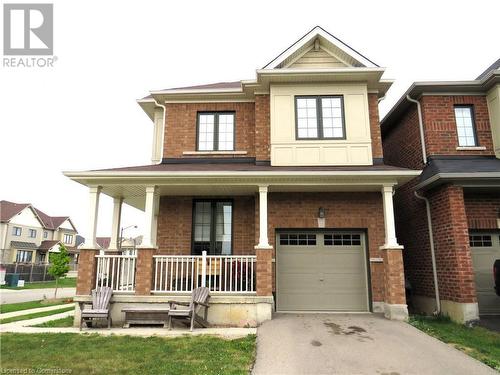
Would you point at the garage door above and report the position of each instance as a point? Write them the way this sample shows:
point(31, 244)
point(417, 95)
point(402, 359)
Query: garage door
point(485, 248)
point(321, 271)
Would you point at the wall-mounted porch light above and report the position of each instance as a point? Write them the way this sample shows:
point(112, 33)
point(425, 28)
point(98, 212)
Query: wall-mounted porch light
point(321, 213)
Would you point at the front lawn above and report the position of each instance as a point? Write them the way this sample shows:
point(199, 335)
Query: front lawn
point(63, 283)
point(11, 307)
point(36, 315)
point(63, 322)
point(478, 342)
point(94, 354)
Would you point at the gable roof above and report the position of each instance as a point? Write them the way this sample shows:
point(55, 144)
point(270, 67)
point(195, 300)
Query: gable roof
point(48, 244)
point(103, 242)
point(9, 209)
point(492, 67)
point(333, 44)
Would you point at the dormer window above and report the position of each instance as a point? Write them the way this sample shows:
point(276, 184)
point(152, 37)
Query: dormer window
point(466, 129)
point(215, 131)
point(319, 117)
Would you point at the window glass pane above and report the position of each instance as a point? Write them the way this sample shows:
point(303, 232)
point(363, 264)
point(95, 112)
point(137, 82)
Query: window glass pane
point(465, 126)
point(202, 222)
point(226, 132)
point(480, 241)
point(331, 109)
point(206, 132)
point(223, 223)
point(307, 122)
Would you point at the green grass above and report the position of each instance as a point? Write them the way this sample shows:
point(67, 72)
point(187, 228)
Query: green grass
point(63, 283)
point(11, 307)
point(94, 354)
point(478, 342)
point(63, 322)
point(36, 315)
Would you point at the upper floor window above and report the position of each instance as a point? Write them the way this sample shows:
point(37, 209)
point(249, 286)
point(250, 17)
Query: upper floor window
point(45, 234)
point(319, 117)
point(16, 231)
point(32, 233)
point(466, 130)
point(215, 131)
point(68, 238)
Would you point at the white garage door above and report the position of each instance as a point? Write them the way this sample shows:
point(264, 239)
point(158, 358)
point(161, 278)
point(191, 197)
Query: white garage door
point(485, 248)
point(321, 271)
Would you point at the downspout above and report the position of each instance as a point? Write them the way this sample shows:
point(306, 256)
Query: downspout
point(433, 254)
point(162, 127)
point(421, 127)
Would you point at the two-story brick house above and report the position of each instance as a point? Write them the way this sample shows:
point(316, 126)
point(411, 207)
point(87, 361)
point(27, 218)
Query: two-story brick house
point(452, 132)
point(28, 235)
point(280, 180)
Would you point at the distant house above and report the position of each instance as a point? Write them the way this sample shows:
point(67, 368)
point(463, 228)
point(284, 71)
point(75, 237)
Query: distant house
point(28, 235)
point(127, 247)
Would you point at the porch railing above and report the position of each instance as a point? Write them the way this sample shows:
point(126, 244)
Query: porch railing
point(220, 273)
point(117, 272)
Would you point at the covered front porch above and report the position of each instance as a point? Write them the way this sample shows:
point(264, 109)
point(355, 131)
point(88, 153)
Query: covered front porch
point(219, 230)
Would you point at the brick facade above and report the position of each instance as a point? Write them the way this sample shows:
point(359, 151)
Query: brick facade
point(87, 268)
point(144, 271)
point(375, 126)
point(394, 280)
point(262, 128)
point(483, 210)
point(180, 129)
point(441, 129)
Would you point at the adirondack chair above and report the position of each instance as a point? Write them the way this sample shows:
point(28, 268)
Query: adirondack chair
point(100, 306)
point(189, 310)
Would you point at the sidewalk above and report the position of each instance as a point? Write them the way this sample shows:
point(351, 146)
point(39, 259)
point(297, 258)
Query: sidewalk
point(15, 296)
point(33, 311)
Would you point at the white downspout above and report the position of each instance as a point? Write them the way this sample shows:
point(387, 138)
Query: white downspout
point(162, 127)
point(421, 127)
point(433, 255)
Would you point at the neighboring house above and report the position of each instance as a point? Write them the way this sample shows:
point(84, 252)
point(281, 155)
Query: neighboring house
point(128, 245)
point(28, 235)
point(460, 122)
point(279, 179)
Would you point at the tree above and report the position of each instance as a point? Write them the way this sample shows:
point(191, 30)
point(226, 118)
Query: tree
point(59, 264)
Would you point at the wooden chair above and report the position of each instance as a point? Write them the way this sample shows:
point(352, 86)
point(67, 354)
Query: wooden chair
point(100, 306)
point(189, 310)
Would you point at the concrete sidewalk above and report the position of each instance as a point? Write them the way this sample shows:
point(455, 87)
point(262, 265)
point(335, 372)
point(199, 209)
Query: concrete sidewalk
point(25, 295)
point(36, 310)
point(354, 344)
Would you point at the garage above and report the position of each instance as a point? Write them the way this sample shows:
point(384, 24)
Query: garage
point(485, 249)
point(321, 271)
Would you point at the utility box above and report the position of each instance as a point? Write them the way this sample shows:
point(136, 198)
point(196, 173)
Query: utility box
point(12, 279)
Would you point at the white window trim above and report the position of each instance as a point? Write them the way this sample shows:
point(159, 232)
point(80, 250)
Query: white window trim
point(214, 153)
point(471, 148)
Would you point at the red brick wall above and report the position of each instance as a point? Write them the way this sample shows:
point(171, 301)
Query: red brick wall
point(343, 210)
point(180, 129)
point(375, 126)
point(262, 128)
point(404, 137)
point(441, 129)
point(175, 225)
point(482, 210)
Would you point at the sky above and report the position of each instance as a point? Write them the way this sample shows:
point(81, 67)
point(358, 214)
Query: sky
point(82, 113)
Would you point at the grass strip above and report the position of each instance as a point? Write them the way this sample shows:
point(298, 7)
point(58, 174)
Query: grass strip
point(12, 307)
point(36, 315)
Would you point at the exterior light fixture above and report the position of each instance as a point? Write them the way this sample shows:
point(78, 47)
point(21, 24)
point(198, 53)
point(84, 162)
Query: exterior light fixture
point(321, 213)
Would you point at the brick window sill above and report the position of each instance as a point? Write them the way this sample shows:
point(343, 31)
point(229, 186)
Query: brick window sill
point(214, 153)
point(474, 148)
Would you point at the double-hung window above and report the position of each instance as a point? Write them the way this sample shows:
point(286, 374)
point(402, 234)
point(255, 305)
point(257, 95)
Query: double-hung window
point(16, 231)
point(212, 227)
point(68, 239)
point(32, 233)
point(215, 131)
point(319, 117)
point(466, 130)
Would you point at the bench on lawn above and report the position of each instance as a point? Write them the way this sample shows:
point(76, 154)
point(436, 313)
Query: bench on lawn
point(146, 315)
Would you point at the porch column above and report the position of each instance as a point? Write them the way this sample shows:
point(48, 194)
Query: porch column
point(263, 240)
point(90, 238)
point(148, 240)
point(115, 224)
point(390, 228)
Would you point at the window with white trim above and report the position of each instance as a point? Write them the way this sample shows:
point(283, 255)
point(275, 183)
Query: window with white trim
point(32, 233)
point(319, 117)
point(466, 130)
point(45, 234)
point(215, 131)
point(68, 239)
point(298, 239)
point(480, 241)
point(24, 256)
point(16, 231)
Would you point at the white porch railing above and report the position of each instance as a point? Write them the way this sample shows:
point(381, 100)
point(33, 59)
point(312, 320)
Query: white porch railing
point(220, 273)
point(117, 272)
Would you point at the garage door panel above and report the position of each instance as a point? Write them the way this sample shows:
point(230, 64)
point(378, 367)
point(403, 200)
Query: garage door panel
point(485, 249)
point(321, 276)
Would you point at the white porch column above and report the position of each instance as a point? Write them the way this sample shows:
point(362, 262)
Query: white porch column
point(148, 240)
point(90, 240)
point(391, 241)
point(263, 240)
point(115, 224)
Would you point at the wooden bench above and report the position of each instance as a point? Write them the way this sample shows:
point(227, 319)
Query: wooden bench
point(146, 315)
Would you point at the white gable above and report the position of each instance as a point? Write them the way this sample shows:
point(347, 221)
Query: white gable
point(27, 218)
point(317, 58)
point(55, 249)
point(66, 225)
point(329, 44)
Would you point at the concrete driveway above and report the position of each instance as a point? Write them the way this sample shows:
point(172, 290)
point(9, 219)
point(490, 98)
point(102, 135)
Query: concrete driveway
point(15, 296)
point(354, 344)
